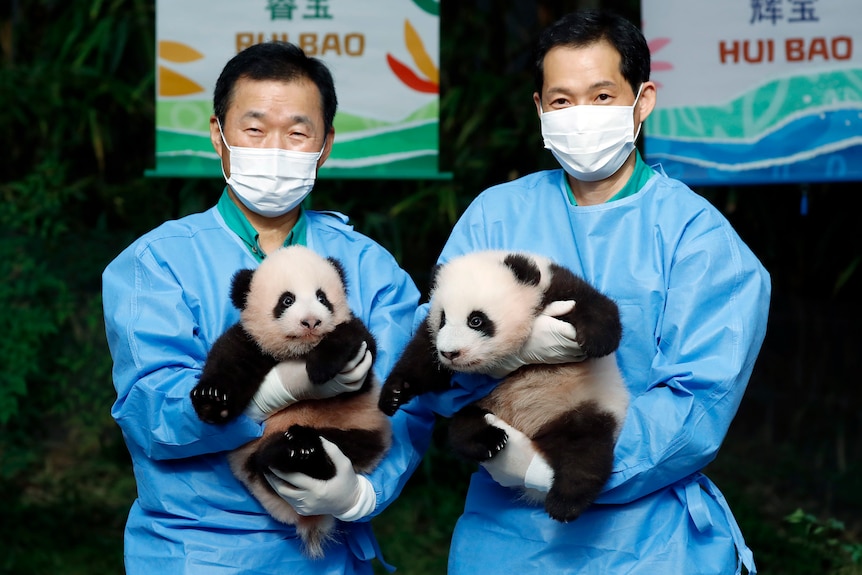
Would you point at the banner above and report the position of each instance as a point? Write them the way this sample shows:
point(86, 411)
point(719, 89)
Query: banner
point(383, 55)
point(755, 91)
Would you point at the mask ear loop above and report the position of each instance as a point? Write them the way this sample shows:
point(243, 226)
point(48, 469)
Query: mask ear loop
point(640, 124)
point(221, 162)
point(221, 133)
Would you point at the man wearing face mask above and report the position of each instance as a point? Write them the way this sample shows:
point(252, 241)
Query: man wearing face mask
point(166, 300)
point(693, 300)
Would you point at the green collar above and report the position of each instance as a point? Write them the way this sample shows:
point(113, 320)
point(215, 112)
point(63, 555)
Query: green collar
point(640, 176)
point(239, 224)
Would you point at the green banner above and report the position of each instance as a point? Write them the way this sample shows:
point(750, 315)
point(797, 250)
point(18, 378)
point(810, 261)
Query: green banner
point(383, 55)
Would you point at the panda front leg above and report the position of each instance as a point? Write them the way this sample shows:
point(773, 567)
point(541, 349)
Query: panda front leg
point(234, 369)
point(579, 447)
point(417, 371)
point(474, 438)
point(337, 348)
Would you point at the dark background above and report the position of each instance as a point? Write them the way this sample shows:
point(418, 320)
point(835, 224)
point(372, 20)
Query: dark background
point(77, 122)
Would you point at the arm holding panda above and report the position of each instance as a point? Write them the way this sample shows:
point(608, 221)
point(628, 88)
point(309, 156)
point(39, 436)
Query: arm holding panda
point(289, 382)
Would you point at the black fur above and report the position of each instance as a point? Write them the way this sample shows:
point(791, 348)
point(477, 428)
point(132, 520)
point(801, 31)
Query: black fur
point(596, 317)
point(524, 269)
point(239, 287)
point(579, 446)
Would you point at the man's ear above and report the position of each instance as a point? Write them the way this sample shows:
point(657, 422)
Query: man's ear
point(327, 147)
point(537, 99)
point(215, 136)
point(646, 102)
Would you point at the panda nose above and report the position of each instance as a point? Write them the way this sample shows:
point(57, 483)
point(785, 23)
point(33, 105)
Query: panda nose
point(310, 323)
point(450, 355)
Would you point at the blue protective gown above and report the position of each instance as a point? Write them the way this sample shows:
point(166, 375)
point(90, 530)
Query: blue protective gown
point(694, 303)
point(166, 300)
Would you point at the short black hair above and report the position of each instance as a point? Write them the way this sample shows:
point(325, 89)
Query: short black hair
point(275, 60)
point(587, 27)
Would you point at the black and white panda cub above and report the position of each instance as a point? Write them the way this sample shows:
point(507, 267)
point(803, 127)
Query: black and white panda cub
point(293, 306)
point(482, 308)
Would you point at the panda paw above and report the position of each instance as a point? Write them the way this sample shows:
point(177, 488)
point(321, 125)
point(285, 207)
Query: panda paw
point(485, 444)
point(565, 507)
point(212, 404)
point(299, 450)
point(394, 393)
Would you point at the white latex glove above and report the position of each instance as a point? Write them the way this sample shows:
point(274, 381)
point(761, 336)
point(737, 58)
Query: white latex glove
point(552, 340)
point(519, 464)
point(347, 496)
point(288, 382)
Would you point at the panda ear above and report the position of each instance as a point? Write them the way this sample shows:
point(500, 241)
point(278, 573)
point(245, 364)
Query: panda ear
point(240, 285)
point(340, 269)
point(435, 272)
point(524, 269)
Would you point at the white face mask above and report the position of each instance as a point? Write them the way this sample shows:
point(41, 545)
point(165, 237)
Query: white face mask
point(591, 142)
point(270, 181)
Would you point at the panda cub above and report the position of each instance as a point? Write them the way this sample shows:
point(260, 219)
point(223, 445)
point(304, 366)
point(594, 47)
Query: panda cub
point(294, 306)
point(482, 308)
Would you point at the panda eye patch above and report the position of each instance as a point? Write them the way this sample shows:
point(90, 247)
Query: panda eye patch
point(480, 322)
point(442, 318)
point(286, 300)
point(321, 297)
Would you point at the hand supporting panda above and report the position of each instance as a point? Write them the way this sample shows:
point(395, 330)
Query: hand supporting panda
point(346, 496)
point(551, 341)
point(288, 382)
point(518, 464)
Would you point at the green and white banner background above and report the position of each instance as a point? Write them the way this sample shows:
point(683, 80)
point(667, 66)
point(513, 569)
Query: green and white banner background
point(383, 54)
point(756, 91)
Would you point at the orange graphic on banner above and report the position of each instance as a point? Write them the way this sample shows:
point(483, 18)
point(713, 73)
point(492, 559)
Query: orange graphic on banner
point(430, 84)
point(173, 83)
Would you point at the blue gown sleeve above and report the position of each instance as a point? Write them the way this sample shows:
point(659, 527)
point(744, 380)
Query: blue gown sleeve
point(159, 346)
point(706, 342)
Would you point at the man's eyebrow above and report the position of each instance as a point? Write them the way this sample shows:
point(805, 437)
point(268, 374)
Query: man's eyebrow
point(258, 115)
point(295, 119)
point(596, 86)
